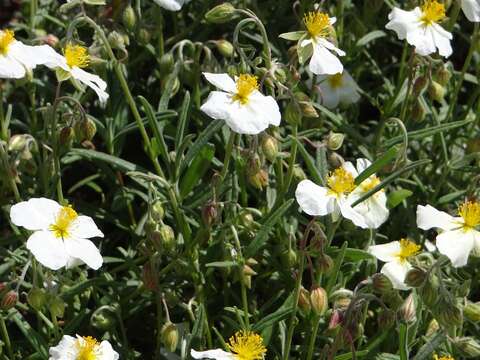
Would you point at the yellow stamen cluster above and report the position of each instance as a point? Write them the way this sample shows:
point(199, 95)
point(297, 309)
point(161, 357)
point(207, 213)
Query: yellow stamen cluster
point(246, 84)
point(76, 55)
point(407, 248)
point(336, 80)
point(63, 221)
point(6, 38)
point(340, 181)
point(370, 183)
point(317, 24)
point(433, 12)
point(445, 357)
point(247, 345)
point(470, 212)
point(87, 349)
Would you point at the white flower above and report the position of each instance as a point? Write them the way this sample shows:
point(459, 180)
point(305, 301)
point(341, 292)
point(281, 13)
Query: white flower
point(420, 28)
point(471, 9)
point(459, 235)
point(374, 209)
point(240, 104)
point(60, 236)
point(172, 5)
point(17, 58)
point(71, 63)
point(395, 255)
point(70, 348)
point(338, 89)
point(244, 345)
point(319, 28)
point(319, 201)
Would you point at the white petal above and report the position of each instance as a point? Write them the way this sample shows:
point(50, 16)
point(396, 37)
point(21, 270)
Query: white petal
point(456, 245)
point(323, 61)
point(35, 214)
point(330, 97)
point(402, 21)
point(423, 41)
point(314, 199)
point(217, 354)
point(471, 9)
point(217, 105)
point(428, 217)
point(396, 272)
point(362, 164)
point(84, 250)
point(222, 81)
point(347, 165)
point(73, 262)
point(350, 213)
point(348, 93)
point(327, 44)
point(172, 5)
point(83, 227)
point(31, 56)
point(386, 252)
point(268, 107)
point(10, 68)
point(377, 211)
point(107, 352)
point(92, 81)
point(65, 350)
point(247, 118)
point(442, 40)
point(47, 249)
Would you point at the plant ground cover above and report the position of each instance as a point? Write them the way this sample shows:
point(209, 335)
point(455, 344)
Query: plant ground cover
point(241, 180)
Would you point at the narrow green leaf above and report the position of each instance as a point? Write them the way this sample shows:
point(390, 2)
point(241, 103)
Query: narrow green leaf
point(221, 264)
point(377, 165)
point(182, 121)
point(396, 197)
point(336, 267)
point(430, 347)
point(293, 35)
point(309, 162)
point(198, 168)
point(371, 36)
point(93, 155)
point(272, 319)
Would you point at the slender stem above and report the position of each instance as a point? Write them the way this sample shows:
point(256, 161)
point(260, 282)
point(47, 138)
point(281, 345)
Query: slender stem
point(55, 142)
point(241, 275)
point(6, 338)
point(8, 170)
point(293, 156)
point(228, 154)
point(313, 337)
point(403, 334)
point(409, 86)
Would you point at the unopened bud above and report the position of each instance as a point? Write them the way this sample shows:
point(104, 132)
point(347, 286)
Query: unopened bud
point(9, 300)
point(246, 219)
point(56, 306)
point(319, 300)
point(37, 298)
point(472, 311)
point(443, 75)
point(259, 180)
point(381, 284)
point(210, 213)
point(143, 36)
point(436, 91)
point(304, 301)
point(157, 211)
point(116, 40)
point(335, 141)
point(324, 264)
point(419, 85)
point(415, 277)
point(169, 335)
point(308, 110)
point(129, 18)
point(386, 319)
point(408, 311)
point(168, 238)
point(432, 328)
point(66, 136)
point(221, 13)
point(335, 320)
point(468, 347)
point(293, 113)
point(298, 173)
point(85, 129)
point(448, 314)
point(418, 111)
point(270, 147)
point(335, 160)
point(225, 48)
point(166, 64)
point(289, 258)
point(429, 291)
point(104, 318)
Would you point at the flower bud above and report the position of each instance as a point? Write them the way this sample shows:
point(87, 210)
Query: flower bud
point(148, 277)
point(157, 212)
point(210, 213)
point(298, 173)
point(85, 129)
point(36, 298)
point(335, 320)
point(259, 180)
point(143, 36)
point(167, 236)
point(116, 40)
point(419, 85)
point(293, 113)
point(468, 347)
point(56, 306)
point(308, 110)
point(418, 111)
point(104, 318)
point(335, 141)
point(225, 48)
point(408, 311)
point(472, 311)
point(304, 301)
point(246, 219)
point(169, 336)
point(381, 284)
point(166, 64)
point(432, 328)
point(324, 264)
point(386, 319)
point(448, 314)
point(129, 18)
point(9, 300)
point(335, 160)
point(319, 300)
point(269, 147)
point(443, 75)
point(289, 258)
point(415, 277)
point(220, 14)
point(66, 136)
point(429, 291)
point(436, 91)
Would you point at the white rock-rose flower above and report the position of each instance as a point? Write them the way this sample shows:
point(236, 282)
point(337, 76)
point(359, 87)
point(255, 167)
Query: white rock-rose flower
point(421, 29)
point(337, 89)
point(318, 200)
point(17, 58)
point(471, 9)
point(60, 236)
point(324, 58)
point(172, 5)
point(395, 255)
point(244, 345)
point(459, 235)
point(71, 64)
point(240, 104)
point(82, 348)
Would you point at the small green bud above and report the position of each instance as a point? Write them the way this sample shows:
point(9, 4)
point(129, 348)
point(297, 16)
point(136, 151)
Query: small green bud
point(289, 258)
point(210, 213)
point(335, 141)
point(166, 64)
point(103, 318)
point(418, 111)
point(472, 311)
point(157, 212)
point(37, 298)
point(308, 109)
point(319, 300)
point(169, 335)
point(129, 18)
point(168, 238)
point(116, 40)
point(436, 91)
point(298, 173)
point(415, 277)
point(246, 219)
point(225, 48)
point(56, 306)
point(85, 129)
point(304, 301)
point(381, 284)
point(143, 36)
point(468, 347)
point(221, 13)
point(293, 113)
point(408, 311)
point(429, 291)
point(269, 147)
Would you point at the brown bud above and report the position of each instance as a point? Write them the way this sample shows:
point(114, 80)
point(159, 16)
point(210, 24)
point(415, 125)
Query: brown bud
point(67, 134)
point(270, 147)
point(304, 300)
point(408, 311)
point(85, 129)
point(419, 85)
point(381, 284)
point(9, 300)
point(415, 277)
point(210, 213)
point(319, 300)
point(443, 75)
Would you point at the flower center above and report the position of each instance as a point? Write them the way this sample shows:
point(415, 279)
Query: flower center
point(470, 212)
point(247, 345)
point(407, 248)
point(340, 181)
point(445, 357)
point(76, 55)
point(433, 12)
point(370, 183)
point(317, 24)
point(6, 39)
point(246, 84)
point(63, 221)
point(87, 348)
point(336, 81)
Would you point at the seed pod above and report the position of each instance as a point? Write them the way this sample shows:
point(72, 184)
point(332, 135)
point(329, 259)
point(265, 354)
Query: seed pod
point(259, 180)
point(116, 40)
point(415, 277)
point(143, 36)
point(381, 284)
point(408, 311)
point(225, 48)
point(472, 311)
point(9, 300)
point(319, 300)
point(169, 335)
point(418, 111)
point(429, 291)
point(220, 14)
point(298, 173)
point(335, 141)
point(129, 18)
point(443, 75)
point(166, 64)
point(432, 328)
point(419, 85)
point(66, 136)
point(36, 298)
point(289, 258)
point(269, 147)
point(293, 113)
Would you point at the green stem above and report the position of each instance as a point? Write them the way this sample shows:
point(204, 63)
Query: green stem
point(8, 170)
point(56, 145)
point(241, 275)
point(6, 338)
point(313, 337)
point(228, 154)
point(403, 334)
point(291, 161)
